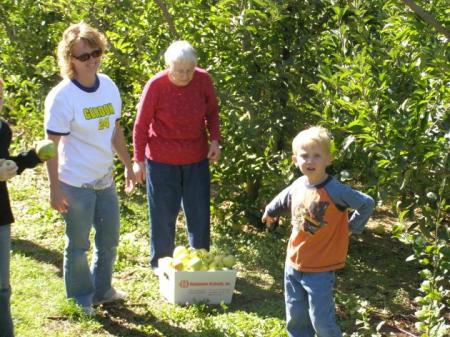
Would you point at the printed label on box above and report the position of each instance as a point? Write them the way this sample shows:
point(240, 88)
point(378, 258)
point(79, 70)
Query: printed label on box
point(183, 287)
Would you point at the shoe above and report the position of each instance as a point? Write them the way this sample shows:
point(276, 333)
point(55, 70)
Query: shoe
point(88, 311)
point(112, 295)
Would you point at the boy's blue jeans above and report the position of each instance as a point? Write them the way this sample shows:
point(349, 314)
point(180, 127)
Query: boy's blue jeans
point(310, 304)
point(168, 188)
point(89, 207)
point(6, 324)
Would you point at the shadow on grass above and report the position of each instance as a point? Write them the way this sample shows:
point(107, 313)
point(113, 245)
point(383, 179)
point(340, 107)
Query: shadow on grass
point(377, 272)
point(377, 269)
point(39, 253)
point(119, 320)
point(252, 299)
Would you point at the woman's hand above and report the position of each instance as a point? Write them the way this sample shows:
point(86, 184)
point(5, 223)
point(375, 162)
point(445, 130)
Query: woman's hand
point(58, 199)
point(130, 180)
point(214, 151)
point(139, 171)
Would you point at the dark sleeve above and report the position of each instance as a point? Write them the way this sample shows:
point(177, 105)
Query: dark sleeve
point(24, 160)
point(280, 204)
point(361, 204)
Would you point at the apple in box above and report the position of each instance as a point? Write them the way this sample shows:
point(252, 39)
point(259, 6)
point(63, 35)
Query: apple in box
point(45, 149)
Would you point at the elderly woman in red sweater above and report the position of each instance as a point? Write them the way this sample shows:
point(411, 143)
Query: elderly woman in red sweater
point(176, 135)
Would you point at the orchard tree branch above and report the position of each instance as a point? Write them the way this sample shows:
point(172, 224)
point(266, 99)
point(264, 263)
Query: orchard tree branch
point(427, 17)
point(168, 18)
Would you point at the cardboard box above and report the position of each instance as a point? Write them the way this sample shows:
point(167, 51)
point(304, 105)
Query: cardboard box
point(188, 287)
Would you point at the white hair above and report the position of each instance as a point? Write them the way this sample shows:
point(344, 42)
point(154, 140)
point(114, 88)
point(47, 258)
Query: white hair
point(180, 51)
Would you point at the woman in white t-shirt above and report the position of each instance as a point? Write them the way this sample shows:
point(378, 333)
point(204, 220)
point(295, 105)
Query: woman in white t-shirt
point(81, 116)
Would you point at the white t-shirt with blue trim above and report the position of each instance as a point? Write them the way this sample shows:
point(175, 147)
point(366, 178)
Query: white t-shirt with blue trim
point(85, 119)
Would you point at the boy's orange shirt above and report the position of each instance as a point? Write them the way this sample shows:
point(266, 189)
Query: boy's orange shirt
point(320, 234)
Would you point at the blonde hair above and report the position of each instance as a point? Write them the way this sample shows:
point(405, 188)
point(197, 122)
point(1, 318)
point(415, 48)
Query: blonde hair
point(314, 135)
point(180, 51)
point(75, 33)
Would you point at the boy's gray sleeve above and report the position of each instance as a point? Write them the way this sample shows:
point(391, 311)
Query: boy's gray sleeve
point(361, 203)
point(280, 204)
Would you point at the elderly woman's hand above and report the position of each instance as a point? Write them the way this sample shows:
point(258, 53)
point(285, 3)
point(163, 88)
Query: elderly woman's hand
point(214, 151)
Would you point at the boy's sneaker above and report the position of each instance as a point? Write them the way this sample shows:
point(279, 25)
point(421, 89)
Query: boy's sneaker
point(112, 295)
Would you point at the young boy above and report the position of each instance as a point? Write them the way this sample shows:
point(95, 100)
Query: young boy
point(319, 240)
point(22, 161)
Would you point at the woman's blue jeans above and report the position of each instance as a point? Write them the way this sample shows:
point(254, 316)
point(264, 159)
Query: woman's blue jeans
point(310, 304)
point(100, 209)
point(170, 187)
point(6, 324)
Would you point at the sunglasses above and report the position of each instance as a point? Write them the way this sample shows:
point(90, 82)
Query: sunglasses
point(86, 56)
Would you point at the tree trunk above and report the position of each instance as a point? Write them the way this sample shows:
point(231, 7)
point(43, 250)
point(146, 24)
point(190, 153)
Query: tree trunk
point(427, 17)
point(168, 18)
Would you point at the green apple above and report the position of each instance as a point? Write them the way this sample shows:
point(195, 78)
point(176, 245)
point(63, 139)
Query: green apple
point(219, 265)
point(195, 264)
point(218, 259)
point(203, 251)
point(194, 253)
point(212, 266)
point(229, 261)
point(179, 250)
point(178, 264)
point(45, 149)
point(379, 230)
point(208, 258)
point(9, 164)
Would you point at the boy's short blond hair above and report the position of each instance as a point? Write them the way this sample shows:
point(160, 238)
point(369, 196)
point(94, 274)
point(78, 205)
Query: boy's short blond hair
point(77, 32)
point(313, 135)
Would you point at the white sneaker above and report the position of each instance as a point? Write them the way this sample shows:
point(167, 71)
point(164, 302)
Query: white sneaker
point(112, 295)
point(88, 311)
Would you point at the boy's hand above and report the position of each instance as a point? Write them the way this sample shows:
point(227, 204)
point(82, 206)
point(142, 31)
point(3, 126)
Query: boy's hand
point(8, 169)
point(269, 221)
point(130, 180)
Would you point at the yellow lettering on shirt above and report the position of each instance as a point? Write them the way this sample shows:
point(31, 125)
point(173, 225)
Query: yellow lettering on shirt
point(103, 123)
point(98, 111)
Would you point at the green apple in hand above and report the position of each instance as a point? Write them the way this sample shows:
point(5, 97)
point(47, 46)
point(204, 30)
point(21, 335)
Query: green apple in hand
point(45, 149)
point(8, 169)
point(9, 164)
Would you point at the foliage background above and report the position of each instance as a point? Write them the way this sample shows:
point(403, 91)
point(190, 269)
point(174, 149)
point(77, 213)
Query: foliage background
point(372, 72)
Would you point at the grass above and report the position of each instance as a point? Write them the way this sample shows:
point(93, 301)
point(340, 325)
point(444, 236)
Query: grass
point(376, 286)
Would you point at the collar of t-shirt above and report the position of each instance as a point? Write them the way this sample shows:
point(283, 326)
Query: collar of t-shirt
point(88, 89)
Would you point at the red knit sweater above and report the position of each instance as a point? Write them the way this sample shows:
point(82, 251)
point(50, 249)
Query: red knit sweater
point(172, 121)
